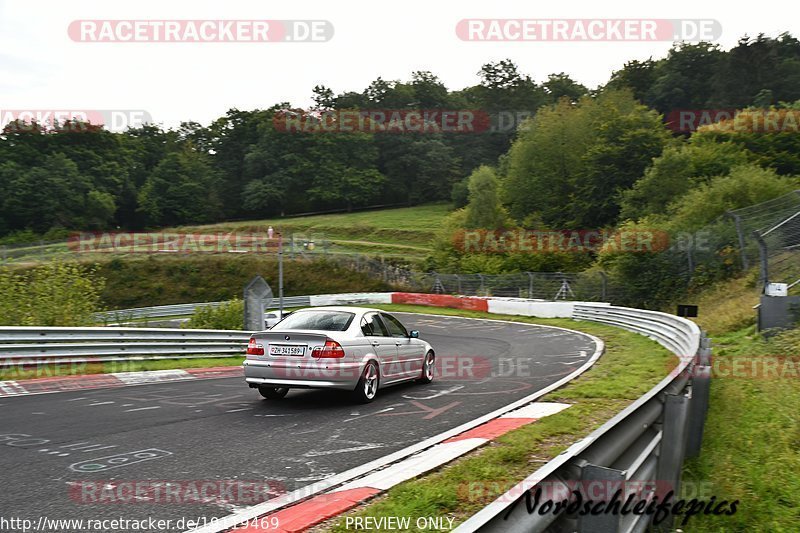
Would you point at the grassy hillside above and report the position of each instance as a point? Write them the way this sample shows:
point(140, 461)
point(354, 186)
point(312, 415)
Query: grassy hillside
point(160, 280)
point(402, 231)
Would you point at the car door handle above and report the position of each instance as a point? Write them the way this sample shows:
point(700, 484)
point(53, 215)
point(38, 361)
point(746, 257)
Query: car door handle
point(397, 344)
point(376, 343)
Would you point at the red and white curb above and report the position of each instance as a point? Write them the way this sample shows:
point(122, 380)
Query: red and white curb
point(114, 380)
point(308, 513)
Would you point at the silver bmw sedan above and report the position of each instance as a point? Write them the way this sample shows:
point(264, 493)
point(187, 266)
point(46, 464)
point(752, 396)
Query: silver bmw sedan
point(347, 348)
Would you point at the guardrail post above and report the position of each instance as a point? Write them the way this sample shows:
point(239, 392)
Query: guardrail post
point(701, 387)
point(704, 355)
point(606, 479)
point(671, 450)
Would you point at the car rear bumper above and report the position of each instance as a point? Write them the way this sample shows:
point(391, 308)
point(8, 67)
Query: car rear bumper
point(302, 374)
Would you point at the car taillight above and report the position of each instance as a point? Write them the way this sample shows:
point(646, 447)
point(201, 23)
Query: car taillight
point(331, 350)
point(254, 348)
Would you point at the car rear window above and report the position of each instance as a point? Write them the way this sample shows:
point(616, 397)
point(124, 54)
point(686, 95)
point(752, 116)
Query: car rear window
point(317, 320)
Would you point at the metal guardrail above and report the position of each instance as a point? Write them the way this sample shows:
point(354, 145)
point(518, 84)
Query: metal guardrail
point(640, 451)
point(181, 310)
point(36, 345)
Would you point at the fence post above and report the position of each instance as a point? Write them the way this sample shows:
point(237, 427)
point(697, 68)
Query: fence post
point(458, 283)
point(764, 259)
point(530, 284)
point(483, 285)
point(737, 221)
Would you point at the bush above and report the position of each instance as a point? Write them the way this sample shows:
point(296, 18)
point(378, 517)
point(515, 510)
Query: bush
point(54, 294)
point(229, 315)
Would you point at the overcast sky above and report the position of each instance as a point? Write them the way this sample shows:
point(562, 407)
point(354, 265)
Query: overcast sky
point(41, 68)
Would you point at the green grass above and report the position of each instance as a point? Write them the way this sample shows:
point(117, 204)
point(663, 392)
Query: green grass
point(631, 365)
point(751, 439)
point(405, 230)
point(401, 233)
point(61, 370)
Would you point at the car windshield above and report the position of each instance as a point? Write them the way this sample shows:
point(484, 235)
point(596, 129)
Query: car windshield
point(317, 320)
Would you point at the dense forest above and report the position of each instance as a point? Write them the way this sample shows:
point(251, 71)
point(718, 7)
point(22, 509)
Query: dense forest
point(587, 158)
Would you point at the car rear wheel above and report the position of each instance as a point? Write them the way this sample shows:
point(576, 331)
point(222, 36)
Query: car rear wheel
point(273, 393)
point(367, 387)
point(427, 368)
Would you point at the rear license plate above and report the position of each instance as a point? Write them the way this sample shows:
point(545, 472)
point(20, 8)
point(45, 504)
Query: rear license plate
point(282, 349)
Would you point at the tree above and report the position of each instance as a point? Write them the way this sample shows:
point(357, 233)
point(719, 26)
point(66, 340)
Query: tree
point(45, 196)
point(571, 164)
point(746, 185)
point(638, 76)
point(678, 169)
point(685, 79)
point(183, 188)
point(562, 86)
point(484, 210)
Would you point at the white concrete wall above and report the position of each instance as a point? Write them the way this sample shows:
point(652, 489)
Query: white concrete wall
point(535, 308)
point(356, 298)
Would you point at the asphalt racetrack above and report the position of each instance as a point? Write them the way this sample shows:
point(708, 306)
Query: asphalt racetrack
point(146, 451)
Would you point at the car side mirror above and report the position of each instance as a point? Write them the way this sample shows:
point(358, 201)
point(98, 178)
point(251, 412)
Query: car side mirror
point(414, 334)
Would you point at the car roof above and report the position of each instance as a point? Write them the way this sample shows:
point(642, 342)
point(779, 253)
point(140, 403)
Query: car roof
point(347, 308)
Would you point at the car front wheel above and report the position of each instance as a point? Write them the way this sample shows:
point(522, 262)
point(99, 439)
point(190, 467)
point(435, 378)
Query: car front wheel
point(427, 368)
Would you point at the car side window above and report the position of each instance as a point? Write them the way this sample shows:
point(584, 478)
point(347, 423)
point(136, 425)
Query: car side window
point(372, 326)
point(395, 327)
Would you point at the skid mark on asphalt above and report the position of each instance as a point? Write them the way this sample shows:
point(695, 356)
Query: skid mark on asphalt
point(521, 387)
point(384, 410)
point(433, 393)
point(332, 445)
point(429, 412)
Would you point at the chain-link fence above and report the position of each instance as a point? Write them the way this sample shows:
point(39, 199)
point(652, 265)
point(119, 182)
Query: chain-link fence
point(765, 235)
point(771, 235)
